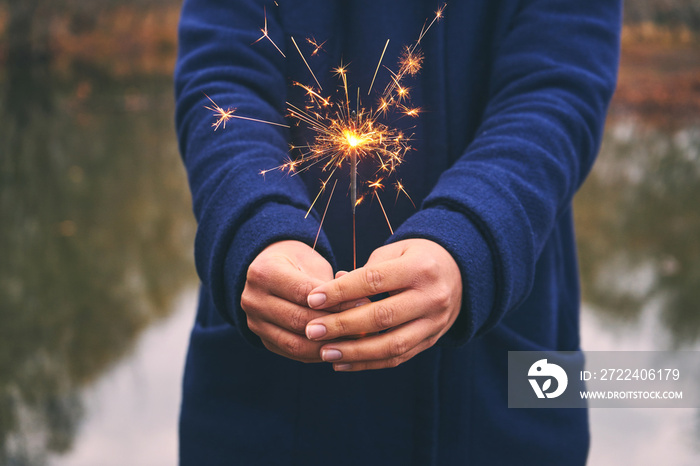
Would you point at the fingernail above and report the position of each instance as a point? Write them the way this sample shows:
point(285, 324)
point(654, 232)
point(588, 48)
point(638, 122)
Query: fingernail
point(316, 300)
point(331, 354)
point(315, 331)
point(360, 303)
point(342, 367)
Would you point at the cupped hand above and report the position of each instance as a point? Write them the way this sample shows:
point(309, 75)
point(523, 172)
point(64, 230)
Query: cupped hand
point(274, 298)
point(425, 288)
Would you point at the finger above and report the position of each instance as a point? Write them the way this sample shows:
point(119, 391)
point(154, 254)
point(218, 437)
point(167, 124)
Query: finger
point(277, 311)
point(347, 305)
point(352, 304)
point(370, 280)
point(384, 346)
point(386, 253)
point(373, 317)
point(282, 279)
point(381, 351)
point(381, 364)
point(288, 344)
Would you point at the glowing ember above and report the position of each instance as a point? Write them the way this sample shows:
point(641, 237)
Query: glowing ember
point(353, 139)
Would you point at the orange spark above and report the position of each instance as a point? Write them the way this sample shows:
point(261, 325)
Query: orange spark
point(266, 35)
point(317, 47)
point(412, 112)
point(324, 211)
point(411, 61)
point(381, 57)
point(222, 116)
point(438, 13)
point(402, 92)
point(376, 184)
point(305, 62)
point(400, 189)
point(438, 17)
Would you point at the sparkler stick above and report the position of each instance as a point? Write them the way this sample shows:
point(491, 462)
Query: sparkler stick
point(353, 202)
point(353, 184)
point(353, 180)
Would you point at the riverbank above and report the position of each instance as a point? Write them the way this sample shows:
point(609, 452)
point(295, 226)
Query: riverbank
point(658, 82)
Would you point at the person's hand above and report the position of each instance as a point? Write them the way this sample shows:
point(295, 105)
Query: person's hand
point(425, 287)
point(274, 298)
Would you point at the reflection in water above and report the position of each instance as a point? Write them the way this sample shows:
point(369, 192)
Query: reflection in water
point(638, 225)
point(95, 242)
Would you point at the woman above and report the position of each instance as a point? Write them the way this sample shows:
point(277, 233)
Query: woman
point(513, 95)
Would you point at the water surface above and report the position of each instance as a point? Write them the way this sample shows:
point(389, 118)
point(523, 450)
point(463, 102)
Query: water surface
point(95, 244)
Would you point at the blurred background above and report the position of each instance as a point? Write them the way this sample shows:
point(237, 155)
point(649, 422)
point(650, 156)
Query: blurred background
point(97, 282)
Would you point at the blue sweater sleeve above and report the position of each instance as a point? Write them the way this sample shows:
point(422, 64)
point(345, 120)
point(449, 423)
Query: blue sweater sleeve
point(239, 212)
point(552, 77)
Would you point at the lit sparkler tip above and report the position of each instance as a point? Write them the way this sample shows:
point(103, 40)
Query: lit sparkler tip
point(351, 138)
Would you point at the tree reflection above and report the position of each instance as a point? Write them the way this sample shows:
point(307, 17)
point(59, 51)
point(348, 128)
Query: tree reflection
point(95, 241)
point(638, 224)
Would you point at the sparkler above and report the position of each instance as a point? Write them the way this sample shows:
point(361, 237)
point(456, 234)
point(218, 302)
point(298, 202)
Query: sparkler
point(344, 135)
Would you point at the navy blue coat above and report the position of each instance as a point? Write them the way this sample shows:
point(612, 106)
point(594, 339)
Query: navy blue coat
point(514, 95)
